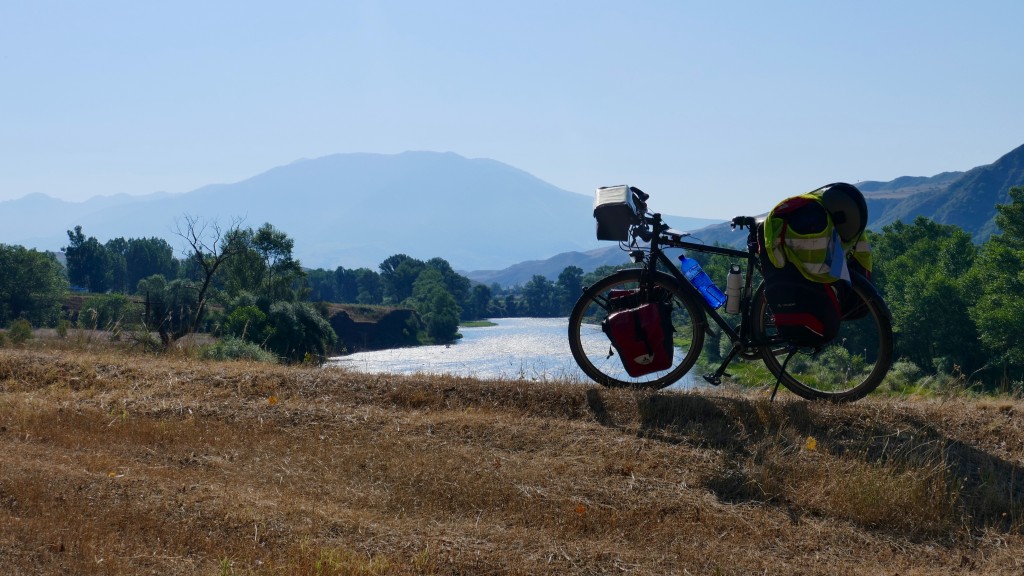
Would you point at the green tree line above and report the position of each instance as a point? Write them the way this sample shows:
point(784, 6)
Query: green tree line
point(240, 283)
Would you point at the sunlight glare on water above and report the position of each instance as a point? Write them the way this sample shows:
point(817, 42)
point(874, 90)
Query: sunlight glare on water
point(517, 348)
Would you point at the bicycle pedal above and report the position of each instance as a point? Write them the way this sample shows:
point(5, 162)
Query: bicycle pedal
point(713, 379)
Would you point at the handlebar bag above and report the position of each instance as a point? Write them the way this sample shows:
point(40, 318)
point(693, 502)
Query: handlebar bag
point(642, 337)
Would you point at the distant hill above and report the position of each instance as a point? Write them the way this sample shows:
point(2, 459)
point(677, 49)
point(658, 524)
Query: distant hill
point(965, 199)
point(519, 274)
point(351, 210)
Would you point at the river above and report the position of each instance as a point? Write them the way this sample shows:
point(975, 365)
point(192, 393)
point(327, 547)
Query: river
point(516, 348)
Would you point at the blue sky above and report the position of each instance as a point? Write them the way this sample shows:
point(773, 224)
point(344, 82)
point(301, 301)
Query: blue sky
point(715, 108)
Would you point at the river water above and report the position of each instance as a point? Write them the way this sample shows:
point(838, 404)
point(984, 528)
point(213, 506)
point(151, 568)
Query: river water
point(517, 348)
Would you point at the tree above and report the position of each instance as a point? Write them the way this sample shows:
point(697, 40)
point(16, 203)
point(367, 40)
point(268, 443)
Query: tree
point(262, 264)
point(282, 272)
point(322, 286)
point(570, 286)
point(436, 305)
point(921, 270)
point(116, 249)
point(539, 297)
point(998, 282)
point(479, 303)
point(245, 271)
point(89, 263)
point(397, 274)
point(1010, 220)
point(32, 286)
point(370, 288)
point(347, 284)
point(457, 284)
point(147, 256)
point(178, 307)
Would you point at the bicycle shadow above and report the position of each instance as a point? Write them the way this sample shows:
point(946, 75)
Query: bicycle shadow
point(988, 489)
point(722, 423)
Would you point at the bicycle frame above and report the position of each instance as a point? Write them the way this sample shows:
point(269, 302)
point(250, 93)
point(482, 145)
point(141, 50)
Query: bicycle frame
point(741, 337)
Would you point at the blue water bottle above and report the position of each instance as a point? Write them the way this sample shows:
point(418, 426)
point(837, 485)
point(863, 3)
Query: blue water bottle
point(701, 281)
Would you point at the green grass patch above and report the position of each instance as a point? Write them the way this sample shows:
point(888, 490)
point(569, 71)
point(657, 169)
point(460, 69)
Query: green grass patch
point(477, 324)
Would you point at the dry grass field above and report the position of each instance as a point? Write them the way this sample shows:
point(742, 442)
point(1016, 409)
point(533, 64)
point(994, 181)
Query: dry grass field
point(114, 463)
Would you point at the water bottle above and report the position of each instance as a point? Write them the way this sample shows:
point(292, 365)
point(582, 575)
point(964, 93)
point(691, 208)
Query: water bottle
point(701, 281)
point(733, 289)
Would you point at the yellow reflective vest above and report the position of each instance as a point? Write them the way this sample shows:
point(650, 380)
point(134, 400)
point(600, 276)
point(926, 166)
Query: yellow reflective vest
point(819, 253)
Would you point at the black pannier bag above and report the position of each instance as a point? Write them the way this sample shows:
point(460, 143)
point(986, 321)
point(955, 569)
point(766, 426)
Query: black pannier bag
point(806, 313)
point(641, 334)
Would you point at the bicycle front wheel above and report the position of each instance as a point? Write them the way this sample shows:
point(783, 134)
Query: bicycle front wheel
point(849, 367)
point(593, 351)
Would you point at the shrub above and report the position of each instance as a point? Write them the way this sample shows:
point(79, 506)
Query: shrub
point(248, 323)
point(62, 328)
point(111, 312)
point(299, 332)
point(902, 376)
point(20, 331)
point(232, 348)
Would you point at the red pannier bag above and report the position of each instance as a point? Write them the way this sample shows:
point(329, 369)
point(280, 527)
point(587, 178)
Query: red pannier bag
point(641, 335)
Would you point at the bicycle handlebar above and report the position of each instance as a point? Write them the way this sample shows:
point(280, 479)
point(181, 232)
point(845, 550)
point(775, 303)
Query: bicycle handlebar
point(651, 225)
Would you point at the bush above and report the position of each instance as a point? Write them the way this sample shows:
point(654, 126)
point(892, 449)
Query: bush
point(232, 348)
point(110, 312)
point(62, 328)
point(248, 323)
point(903, 375)
point(299, 332)
point(20, 331)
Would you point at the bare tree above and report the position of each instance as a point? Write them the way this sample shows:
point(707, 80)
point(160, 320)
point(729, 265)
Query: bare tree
point(208, 247)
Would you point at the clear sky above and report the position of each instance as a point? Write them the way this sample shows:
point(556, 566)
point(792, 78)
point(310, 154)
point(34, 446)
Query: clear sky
point(715, 108)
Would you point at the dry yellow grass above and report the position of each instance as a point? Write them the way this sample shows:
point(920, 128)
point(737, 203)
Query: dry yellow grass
point(127, 464)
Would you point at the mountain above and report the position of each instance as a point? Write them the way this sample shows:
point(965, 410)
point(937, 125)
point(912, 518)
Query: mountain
point(965, 199)
point(351, 210)
point(523, 272)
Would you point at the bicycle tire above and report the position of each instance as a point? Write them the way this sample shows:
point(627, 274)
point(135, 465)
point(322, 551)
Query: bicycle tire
point(849, 367)
point(597, 358)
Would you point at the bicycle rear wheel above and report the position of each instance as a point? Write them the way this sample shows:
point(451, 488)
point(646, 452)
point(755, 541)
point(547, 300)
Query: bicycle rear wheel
point(849, 367)
point(590, 345)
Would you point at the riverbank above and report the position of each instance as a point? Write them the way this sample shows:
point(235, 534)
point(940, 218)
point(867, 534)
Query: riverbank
point(127, 464)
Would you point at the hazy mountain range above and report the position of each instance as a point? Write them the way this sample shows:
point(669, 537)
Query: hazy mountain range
point(492, 221)
point(351, 210)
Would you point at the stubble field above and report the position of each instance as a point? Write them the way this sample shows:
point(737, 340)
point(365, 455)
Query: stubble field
point(114, 463)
